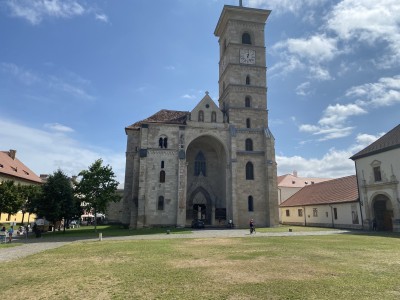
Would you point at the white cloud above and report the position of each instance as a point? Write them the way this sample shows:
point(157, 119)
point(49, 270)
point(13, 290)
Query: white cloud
point(284, 6)
point(187, 96)
point(349, 24)
point(385, 92)
point(58, 127)
point(309, 53)
point(334, 164)
point(338, 114)
point(370, 22)
point(35, 11)
point(27, 77)
point(70, 83)
point(334, 119)
point(170, 68)
point(46, 151)
point(102, 18)
point(316, 48)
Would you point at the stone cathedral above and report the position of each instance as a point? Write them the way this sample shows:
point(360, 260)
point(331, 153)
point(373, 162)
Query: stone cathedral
point(217, 162)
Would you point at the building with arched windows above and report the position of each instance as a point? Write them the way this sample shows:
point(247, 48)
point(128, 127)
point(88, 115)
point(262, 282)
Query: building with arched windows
point(215, 162)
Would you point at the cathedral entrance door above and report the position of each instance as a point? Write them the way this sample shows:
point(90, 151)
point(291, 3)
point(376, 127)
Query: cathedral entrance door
point(383, 215)
point(199, 212)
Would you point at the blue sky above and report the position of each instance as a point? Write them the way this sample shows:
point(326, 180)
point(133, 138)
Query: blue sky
point(75, 73)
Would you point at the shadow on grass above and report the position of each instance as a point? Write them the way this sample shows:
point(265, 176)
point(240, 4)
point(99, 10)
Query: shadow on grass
point(89, 232)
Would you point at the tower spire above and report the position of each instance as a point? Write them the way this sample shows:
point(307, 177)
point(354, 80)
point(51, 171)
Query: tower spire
point(240, 3)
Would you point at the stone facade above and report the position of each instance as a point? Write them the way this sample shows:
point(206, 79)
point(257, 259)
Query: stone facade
point(378, 173)
point(215, 163)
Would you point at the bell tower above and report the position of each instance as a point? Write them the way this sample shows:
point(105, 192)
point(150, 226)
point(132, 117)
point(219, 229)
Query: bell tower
point(243, 100)
point(242, 66)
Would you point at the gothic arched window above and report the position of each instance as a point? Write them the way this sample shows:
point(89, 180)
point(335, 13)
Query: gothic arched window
point(165, 142)
point(250, 204)
point(162, 176)
point(201, 116)
point(160, 142)
point(200, 164)
point(249, 171)
point(248, 80)
point(246, 38)
point(248, 123)
point(160, 203)
point(213, 117)
point(247, 101)
point(249, 145)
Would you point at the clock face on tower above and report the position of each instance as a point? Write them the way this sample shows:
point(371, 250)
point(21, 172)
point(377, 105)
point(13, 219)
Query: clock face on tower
point(247, 56)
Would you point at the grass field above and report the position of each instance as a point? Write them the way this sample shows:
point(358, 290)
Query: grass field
point(346, 266)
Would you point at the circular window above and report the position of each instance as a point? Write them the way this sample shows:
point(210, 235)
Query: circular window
point(207, 105)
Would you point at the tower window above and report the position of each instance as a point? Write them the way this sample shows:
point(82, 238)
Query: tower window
point(213, 117)
point(160, 204)
point(162, 176)
point(248, 80)
point(224, 45)
point(200, 164)
point(250, 204)
point(162, 164)
point(248, 123)
point(246, 38)
point(201, 116)
point(247, 101)
point(249, 171)
point(163, 142)
point(249, 145)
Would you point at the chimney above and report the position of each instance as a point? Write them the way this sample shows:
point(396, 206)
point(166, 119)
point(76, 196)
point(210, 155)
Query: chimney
point(12, 153)
point(294, 173)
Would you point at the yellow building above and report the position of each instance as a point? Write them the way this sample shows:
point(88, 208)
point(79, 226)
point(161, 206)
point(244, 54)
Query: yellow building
point(11, 168)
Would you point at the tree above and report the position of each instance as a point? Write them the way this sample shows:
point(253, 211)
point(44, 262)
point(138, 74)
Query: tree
point(57, 201)
point(30, 194)
point(11, 200)
point(97, 188)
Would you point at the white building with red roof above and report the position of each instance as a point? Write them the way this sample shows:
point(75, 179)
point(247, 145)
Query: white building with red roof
point(11, 168)
point(334, 203)
point(378, 174)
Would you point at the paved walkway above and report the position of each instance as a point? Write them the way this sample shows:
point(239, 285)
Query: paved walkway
point(33, 246)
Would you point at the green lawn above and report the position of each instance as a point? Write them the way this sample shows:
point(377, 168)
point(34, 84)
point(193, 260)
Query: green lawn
point(114, 230)
point(345, 266)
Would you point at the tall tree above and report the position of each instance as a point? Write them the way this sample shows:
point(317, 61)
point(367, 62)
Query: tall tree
point(57, 201)
point(30, 193)
point(97, 188)
point(11, 200)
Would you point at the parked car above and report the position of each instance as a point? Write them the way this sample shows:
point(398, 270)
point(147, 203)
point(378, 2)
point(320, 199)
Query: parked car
point(197, 224)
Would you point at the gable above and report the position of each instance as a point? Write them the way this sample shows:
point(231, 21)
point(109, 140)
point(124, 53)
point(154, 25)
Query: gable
point(204, 111)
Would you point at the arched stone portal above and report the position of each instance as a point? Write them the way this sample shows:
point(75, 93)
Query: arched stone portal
point(206, 179)
point(383, 212)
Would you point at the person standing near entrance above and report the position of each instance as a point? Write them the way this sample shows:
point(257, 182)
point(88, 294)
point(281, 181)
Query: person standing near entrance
point(252, 227)
point(10, 233)
point(374, 224)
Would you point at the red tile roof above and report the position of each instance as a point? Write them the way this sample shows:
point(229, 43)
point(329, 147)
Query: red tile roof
point(333, 191)
point(15, 169)
point(292, 181)
point(164, 116)
point(389, 141)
